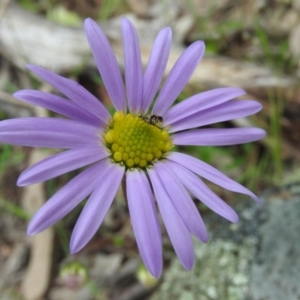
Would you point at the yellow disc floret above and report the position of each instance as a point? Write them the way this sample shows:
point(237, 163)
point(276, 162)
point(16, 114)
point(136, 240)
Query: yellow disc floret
point(135, 142)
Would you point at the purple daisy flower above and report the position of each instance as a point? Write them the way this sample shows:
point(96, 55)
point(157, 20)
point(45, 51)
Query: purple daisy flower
point(133, 144)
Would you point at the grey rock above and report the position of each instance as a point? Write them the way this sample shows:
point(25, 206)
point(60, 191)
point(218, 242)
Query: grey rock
point(275, 272)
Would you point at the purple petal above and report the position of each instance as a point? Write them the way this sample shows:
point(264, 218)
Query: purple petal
point(200, 102)
point(107, 64)
point(96, 207)
point(144, 220)
point(74, 91)
point(218, 137)
point(182, 201)
point(58, 105)
point(208, 172)
point(68, 197)
point(203, 193)
point(156, 66)
point(49, 133)
point(178, 77)
point(178, 232)
point(61, 163)
point(132, 66)
point(224, 112)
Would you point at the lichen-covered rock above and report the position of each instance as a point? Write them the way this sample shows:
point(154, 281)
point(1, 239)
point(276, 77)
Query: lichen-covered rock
point(221, 272)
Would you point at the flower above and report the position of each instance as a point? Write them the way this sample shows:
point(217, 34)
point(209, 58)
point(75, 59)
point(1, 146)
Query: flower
point(132, 145)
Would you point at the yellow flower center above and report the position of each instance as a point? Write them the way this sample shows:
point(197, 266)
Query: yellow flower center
point(134, 142)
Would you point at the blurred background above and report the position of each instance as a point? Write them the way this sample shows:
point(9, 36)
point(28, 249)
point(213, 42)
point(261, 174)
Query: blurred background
point(252, 44)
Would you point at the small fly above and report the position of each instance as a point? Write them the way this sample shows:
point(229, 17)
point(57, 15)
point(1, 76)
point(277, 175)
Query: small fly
point(154, 120)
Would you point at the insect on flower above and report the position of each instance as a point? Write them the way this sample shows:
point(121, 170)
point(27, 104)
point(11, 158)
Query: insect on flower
point(154, 120)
